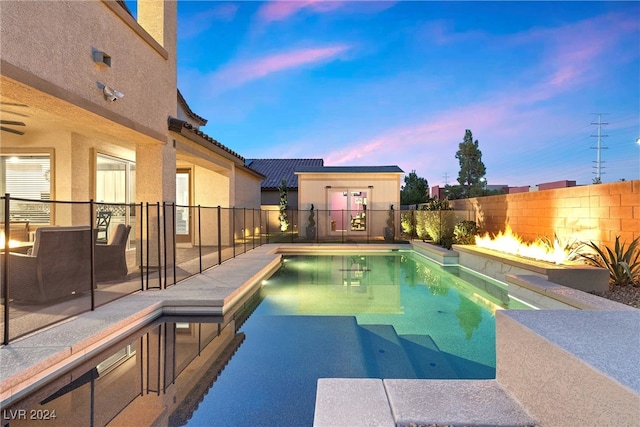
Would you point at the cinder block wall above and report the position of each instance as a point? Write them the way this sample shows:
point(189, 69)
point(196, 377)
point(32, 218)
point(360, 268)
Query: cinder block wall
point(596, 213)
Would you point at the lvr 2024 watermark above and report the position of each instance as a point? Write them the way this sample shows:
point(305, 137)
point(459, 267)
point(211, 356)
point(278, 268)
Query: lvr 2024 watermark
point(31, 414)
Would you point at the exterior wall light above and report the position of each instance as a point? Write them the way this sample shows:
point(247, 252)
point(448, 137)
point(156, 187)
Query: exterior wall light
point(101, 57)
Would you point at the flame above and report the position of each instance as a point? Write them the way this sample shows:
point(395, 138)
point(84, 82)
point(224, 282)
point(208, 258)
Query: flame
point(511, 243)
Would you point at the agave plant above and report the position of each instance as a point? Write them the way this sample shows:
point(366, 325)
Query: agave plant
point(623, 265)
point(571, 247)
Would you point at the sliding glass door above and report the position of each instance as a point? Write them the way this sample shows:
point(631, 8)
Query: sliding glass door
point(348, 211)
point(115, 191)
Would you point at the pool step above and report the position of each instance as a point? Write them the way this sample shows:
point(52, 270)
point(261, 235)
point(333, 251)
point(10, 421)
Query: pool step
point(354, 401)
point(385, 355)
point(426, 358)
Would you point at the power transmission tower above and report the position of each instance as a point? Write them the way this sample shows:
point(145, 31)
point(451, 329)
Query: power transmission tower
point(598, 167)
point(446, 178)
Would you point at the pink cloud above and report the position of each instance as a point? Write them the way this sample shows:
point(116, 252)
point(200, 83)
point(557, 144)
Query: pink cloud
point(201, 22)
point(243, 72)
point(279, 10)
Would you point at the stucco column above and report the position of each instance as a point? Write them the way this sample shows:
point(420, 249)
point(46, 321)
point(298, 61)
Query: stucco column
point(80, 180)
point(156, 183)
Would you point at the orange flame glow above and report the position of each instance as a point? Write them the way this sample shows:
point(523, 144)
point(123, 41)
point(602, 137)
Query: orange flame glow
point(511, 243)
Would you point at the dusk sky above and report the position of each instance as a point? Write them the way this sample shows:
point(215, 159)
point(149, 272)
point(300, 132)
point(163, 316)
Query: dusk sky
point(397, 83)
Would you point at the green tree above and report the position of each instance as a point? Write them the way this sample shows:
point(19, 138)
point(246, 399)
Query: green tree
point(415, 190)
point(471, 166)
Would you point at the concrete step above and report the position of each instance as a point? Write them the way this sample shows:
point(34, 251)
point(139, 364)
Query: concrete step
point(404, 403)
point(454, 403)
point(384, 353)
point(427, 359)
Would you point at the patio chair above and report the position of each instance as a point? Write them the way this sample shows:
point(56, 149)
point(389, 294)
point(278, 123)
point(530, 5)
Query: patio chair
point(59, 266)
point(103, 220)
point(110, 258)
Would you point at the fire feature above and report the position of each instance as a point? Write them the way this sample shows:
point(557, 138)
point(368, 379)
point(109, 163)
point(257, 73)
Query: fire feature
point(510, 243)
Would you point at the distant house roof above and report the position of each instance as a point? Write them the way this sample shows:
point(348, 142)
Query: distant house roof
point(349, 169)
point(200, 120)
point(190, 132)
point(277, 169)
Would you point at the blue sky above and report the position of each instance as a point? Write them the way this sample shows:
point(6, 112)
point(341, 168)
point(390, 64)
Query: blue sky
point(397, 83)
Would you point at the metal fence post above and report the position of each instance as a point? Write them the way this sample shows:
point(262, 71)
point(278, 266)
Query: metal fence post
point(199, 238)
point(159, 248)
point(139, 244)
point(92, 280)
point(233, 230)
point(148, 248)
point(219, 236)
point(173, 235)
point(268, 212)
point(5, 267)
point(164, 242)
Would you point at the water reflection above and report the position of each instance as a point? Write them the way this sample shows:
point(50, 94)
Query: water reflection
point(156, 377)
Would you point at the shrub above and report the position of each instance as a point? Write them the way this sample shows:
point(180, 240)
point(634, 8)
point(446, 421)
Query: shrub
point(623, 265)
point(406, 221)
point(436, 219)
point(465, 232)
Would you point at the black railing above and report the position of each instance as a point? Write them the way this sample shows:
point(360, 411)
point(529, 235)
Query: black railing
point(92, 253)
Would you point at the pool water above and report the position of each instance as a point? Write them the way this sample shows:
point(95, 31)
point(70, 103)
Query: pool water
point(384, 315)
point(375, 316)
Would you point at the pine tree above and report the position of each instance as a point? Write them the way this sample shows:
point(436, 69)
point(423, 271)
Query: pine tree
point(471, 166)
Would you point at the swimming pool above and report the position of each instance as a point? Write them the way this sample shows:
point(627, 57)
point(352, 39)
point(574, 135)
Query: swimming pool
point(385, 315)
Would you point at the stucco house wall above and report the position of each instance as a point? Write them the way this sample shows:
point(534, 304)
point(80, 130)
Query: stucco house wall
point(59, 58)
point(48, 72)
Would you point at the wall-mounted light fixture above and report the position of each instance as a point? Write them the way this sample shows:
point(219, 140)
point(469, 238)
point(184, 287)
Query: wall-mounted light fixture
point(101, 57)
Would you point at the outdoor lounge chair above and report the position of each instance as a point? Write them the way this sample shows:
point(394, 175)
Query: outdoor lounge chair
point(110, 258)
point(59, 266)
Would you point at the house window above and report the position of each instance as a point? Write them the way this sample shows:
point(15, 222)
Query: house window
point(27, 176)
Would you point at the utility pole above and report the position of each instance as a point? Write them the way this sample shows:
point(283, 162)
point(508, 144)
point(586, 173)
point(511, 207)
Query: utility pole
point(598, 167)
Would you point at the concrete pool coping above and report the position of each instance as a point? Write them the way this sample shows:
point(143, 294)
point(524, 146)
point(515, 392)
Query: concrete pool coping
point(611, 365)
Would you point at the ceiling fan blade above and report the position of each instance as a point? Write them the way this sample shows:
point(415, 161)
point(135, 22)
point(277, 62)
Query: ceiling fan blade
point(13, 104)
point(12, 112)
point(17, 132)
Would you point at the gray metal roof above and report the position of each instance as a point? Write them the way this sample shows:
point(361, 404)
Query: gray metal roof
point(349, 169)
point(276, 169)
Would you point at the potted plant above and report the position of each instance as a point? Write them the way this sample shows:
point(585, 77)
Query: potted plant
point(311, 225)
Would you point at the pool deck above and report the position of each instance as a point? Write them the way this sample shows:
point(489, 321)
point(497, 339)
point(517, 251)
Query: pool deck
point(554, 367)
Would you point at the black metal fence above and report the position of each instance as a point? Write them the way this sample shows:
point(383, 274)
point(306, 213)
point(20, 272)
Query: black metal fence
point(62, 258)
